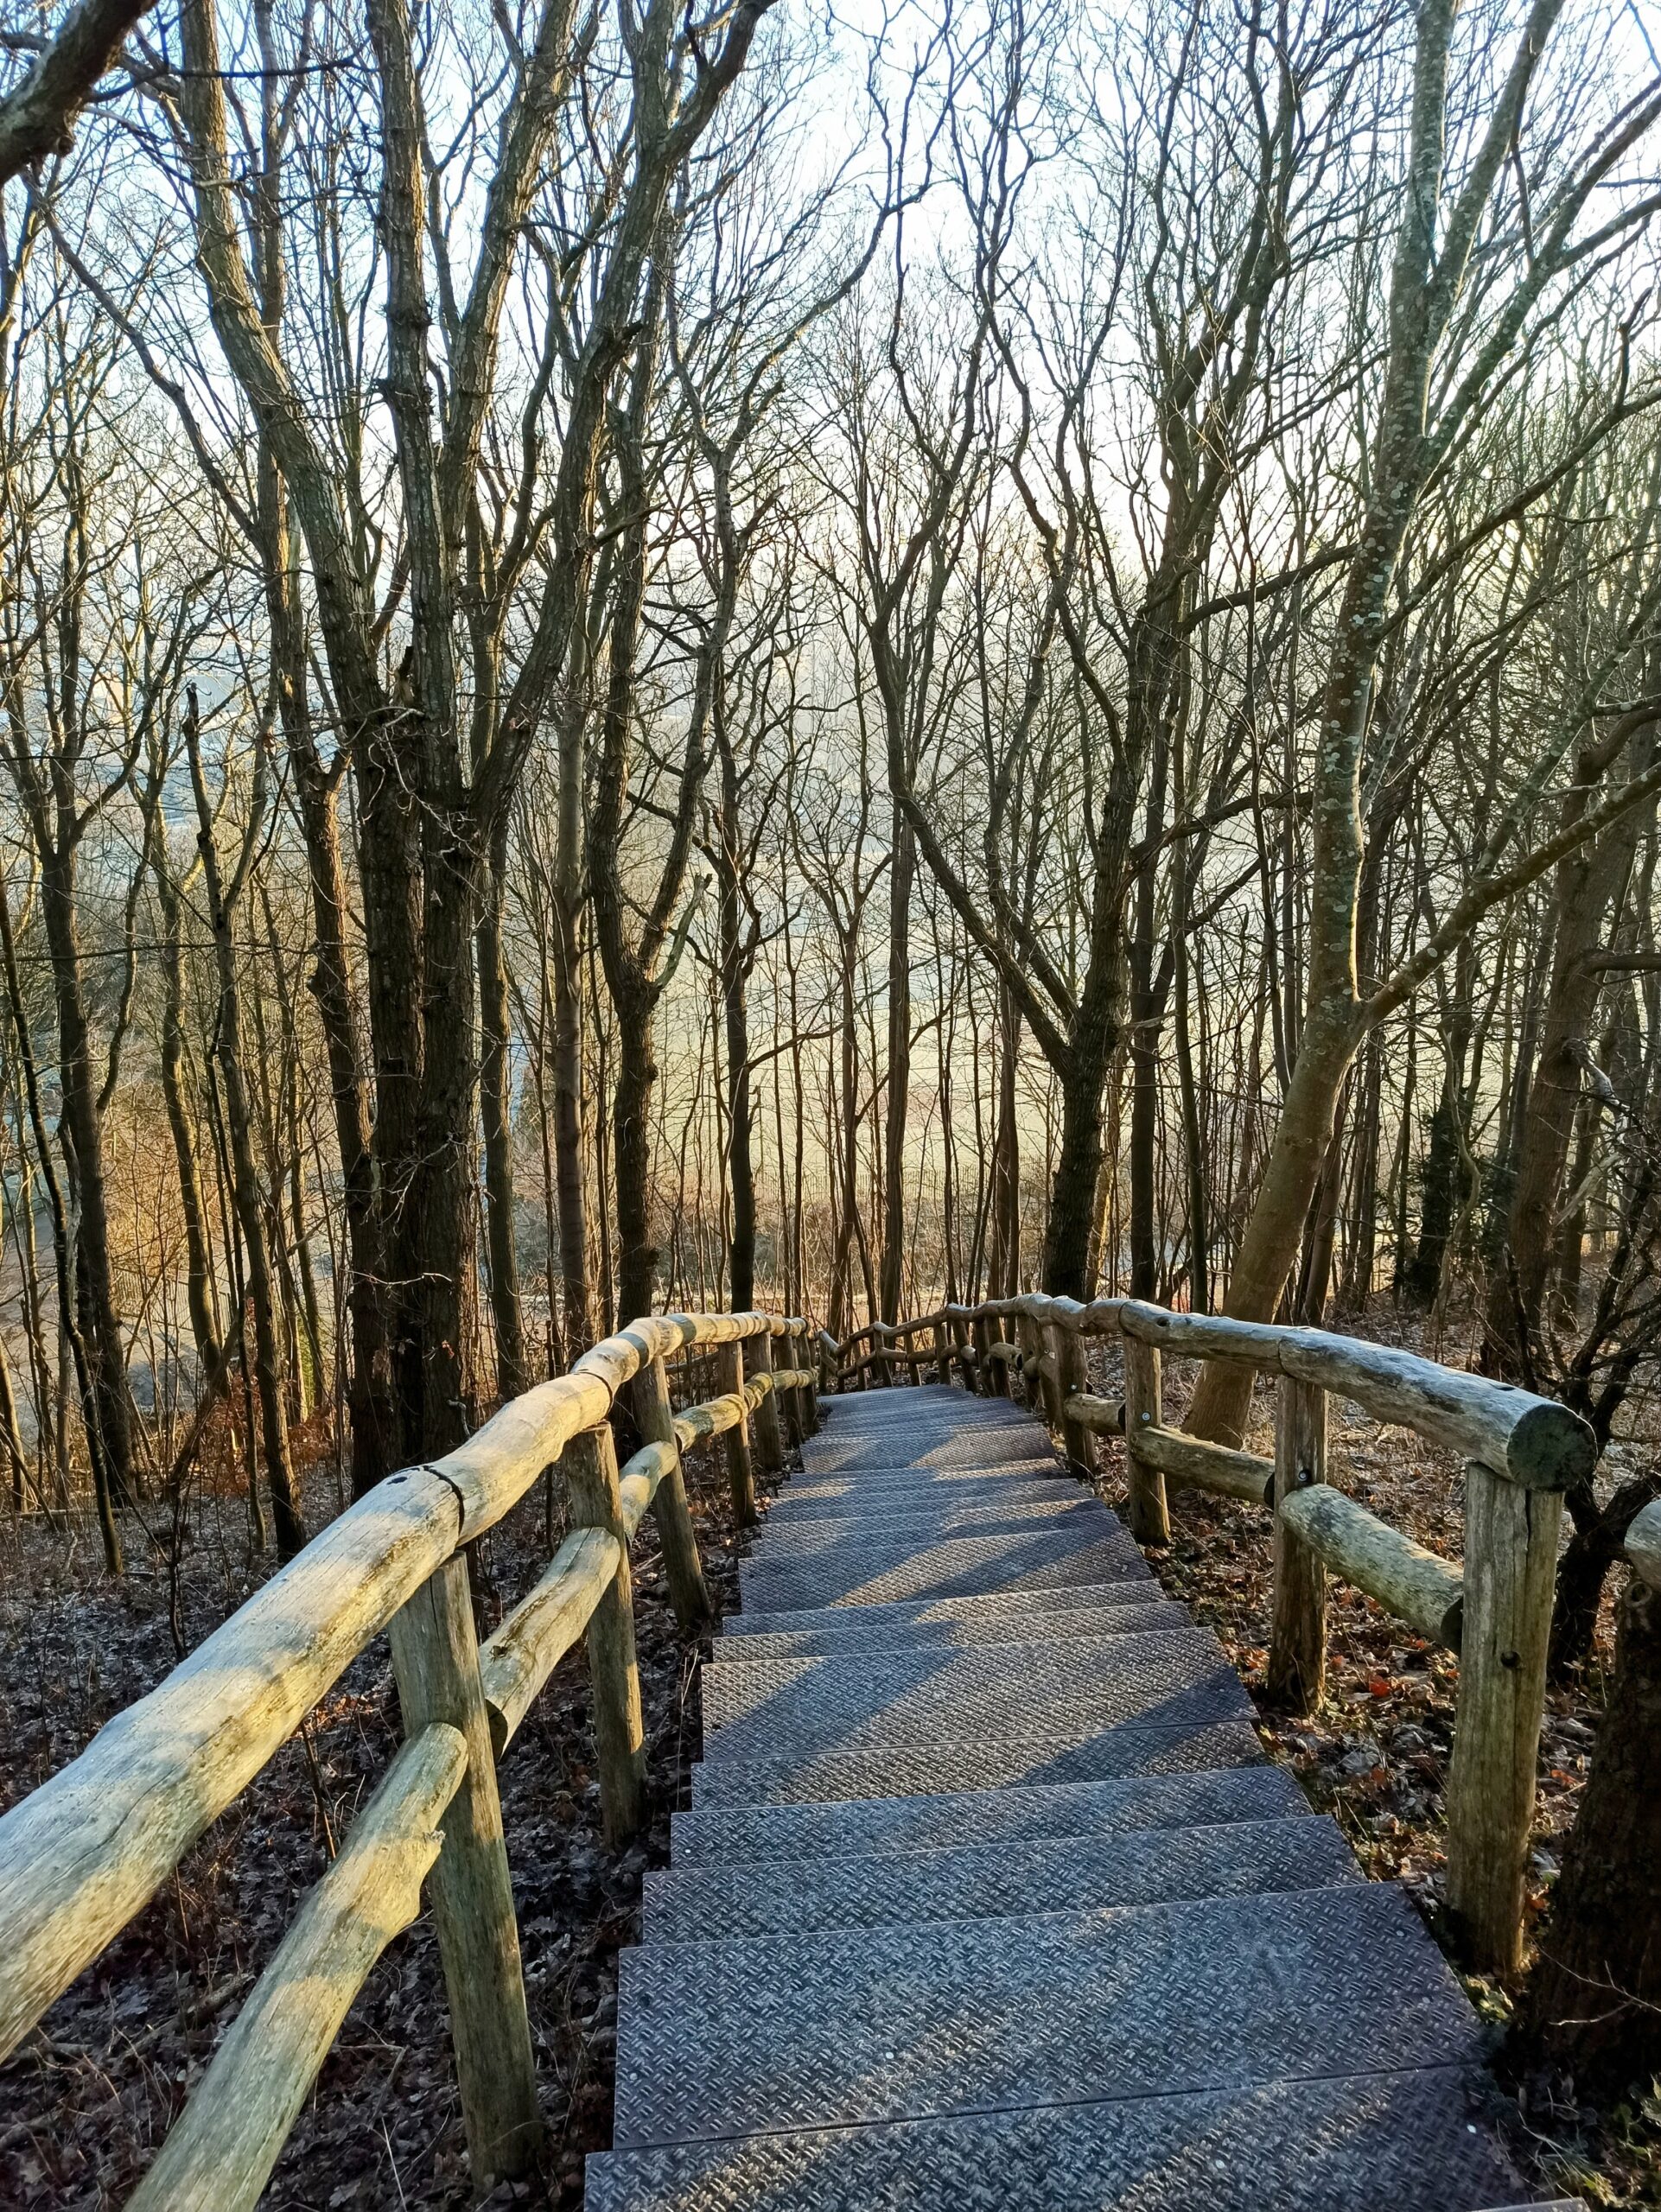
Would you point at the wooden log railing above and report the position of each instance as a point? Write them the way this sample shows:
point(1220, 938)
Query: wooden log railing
point(1493, 1608)
point(86, 1852)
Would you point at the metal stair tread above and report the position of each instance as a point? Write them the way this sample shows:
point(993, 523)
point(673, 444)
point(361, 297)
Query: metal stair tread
point(1002, 1880)
point(952, 1567)
point(880, 1495)
point(1204, 1732)
point(725, 2038)
point(739, 1835)
point(987, 1896)
point(1413, 2140)
point(981, 1606)
point(1065, 1508)
point(894, 1447)
point(875, 1698)
point(1081, 1621)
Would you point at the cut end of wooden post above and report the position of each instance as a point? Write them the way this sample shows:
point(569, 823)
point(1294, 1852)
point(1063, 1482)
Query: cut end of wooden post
point(1551, 1447)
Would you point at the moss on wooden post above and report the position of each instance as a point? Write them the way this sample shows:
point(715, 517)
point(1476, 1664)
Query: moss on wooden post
point(1297, 1635)
point(590, 1462)
point(1511, 1561)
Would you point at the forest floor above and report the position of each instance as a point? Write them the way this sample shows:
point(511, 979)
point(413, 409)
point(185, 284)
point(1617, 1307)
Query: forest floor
point(87, 2097)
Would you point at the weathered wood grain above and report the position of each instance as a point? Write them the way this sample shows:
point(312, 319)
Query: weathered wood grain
point(515, 1663)
point(1296, 1672)
point(1511, 1564)
point(1643, 1545)
point(683, 1569)
point(219, 2153)
point(436, 1663)
point(1188, 1463)
point(1417, 1586)
point(619, 1729)
point(1149, 1514)
point(83, 1852)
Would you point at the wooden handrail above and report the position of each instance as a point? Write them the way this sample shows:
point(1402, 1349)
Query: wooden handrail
point(1528, 1440)
point(82, 1854)
point(1494, 1608)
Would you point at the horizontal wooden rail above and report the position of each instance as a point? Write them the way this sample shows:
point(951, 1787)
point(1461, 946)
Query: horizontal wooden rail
point(1528, 1440)
point(219, 2155)
point(85, 1852)
point(1188, 1463)
point(1419, 1587)
point(518, 1658)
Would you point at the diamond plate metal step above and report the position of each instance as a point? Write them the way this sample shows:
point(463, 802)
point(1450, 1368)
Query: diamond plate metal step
point(1001, 1881)
point(1393, 2142)
point(944, 1401)
point(722, 2039)
point(1065, 1692)
point(1080, 1622)
point(1188, 1736)
point(955, 1417)
point(870, 1573)
point(1065, 1508)
point(1129, 1589)
point(774, 1835)
point(988, 1897)
point(894, 1491)
point(894, 1447)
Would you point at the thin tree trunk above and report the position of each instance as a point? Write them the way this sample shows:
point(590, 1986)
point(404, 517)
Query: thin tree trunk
point(496, 1104)
point(289, 1526)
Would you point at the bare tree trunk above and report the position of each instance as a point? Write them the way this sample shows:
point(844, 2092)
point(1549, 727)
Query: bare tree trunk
point(1584, 881)
point(81, 1136)
point(901, 875)
point(222, 900)
point(496, 1103)
point(1594, 2006)
point(201, 1290)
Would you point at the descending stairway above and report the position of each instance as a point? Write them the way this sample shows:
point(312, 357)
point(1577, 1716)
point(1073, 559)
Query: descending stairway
point(988, 1897)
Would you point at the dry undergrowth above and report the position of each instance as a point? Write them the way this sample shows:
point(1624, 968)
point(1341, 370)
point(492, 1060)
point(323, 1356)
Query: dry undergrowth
point(1375, 1756)
point(85, 2100)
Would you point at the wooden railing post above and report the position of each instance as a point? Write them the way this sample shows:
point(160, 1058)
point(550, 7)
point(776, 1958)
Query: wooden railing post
point(590, 1461)
point(1297, 1638)
point(960, 1350)
point(1511, 1561)
point(810, 1389)
point(1068, 1348)
point(1150, 1518)
point(683, 1569)
point(1049, 1339)
point(942, 1354)
point(991, 1379)
point(1030, 1337)
point(791, 1400)
point(436, 1662)
point(769, 1437)
point(740, 1474)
